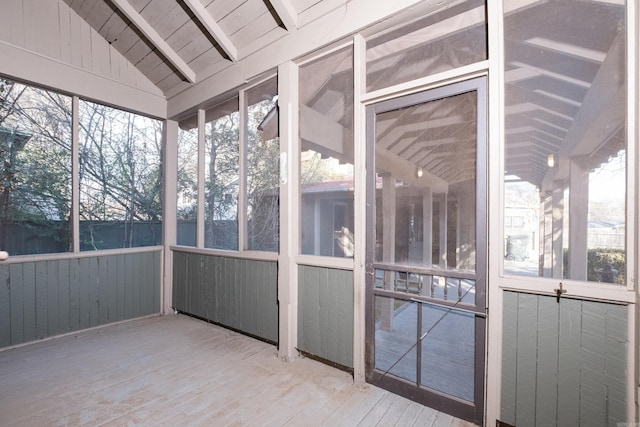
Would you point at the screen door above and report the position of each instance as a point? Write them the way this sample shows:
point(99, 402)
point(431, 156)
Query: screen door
point(426, 247)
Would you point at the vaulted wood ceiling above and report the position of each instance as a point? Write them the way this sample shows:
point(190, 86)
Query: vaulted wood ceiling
point(176, 43)
point(560, 99)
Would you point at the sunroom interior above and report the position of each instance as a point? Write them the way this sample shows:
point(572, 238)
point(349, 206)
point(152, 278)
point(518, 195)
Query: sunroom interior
point(434, 198)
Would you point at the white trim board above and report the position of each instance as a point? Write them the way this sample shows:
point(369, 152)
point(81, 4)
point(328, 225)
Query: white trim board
point(27, 66)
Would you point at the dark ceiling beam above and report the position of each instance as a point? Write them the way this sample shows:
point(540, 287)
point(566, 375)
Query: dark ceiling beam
point(155, 39)
point(212, 27)
point(286, 13)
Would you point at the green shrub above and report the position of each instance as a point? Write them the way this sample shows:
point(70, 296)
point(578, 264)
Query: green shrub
point(597, 259)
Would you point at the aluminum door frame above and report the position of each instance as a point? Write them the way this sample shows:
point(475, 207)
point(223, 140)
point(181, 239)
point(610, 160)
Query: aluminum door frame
point(440, 401)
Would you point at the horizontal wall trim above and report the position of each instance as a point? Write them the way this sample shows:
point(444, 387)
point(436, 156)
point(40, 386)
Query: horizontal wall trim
point(447, 77)
point(18, 259)
point(251, 255)
point(325, 261)
point(613, 294)
point(27, 66)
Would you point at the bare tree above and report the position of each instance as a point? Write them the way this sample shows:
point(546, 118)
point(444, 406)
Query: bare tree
point(35, 150)
point(221, 185)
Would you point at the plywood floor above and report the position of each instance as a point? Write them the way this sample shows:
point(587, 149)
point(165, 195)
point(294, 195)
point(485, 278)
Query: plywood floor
point(179, 371)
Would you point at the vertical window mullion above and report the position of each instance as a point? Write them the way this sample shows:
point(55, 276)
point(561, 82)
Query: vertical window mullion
point(242, 173)
point(201, 180)
point(75, 174)
point(633, 106)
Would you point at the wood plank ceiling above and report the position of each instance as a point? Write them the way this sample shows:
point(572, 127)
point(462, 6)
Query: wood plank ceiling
point(557, 89)
point(176, 43)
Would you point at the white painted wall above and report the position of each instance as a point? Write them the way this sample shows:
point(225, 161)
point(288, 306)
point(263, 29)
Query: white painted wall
point(47, 43)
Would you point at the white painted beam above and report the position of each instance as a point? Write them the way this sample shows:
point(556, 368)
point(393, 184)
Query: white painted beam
point(152, 35)
point(327, 135)
point(36, 68)
point(329, 28)
point(404, 170)
point(602, 113)
point(287, 14)
point(213, 28)
point(605, 93)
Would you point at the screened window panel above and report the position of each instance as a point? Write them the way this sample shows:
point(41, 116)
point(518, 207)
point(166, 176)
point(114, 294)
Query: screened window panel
point(442, 41)
point(120, 178)
point(566, 131)
point(35, 155)
point(263, 167)
point(426, 184)
point(222, 159)
point(326, 161)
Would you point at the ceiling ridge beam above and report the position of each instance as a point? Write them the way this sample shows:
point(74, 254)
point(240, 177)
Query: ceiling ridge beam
point(286, 13)
point(212, 27)
point(152, 35)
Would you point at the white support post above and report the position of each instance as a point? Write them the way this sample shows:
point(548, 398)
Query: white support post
point(169, 216)
point(201, 180)
point(495, 214)
point(557, 212)
point(442, 215)
point(289, 211)
point(75, 173)
point(633, 205)
point(241, 214)
point(427, 226)
point(540, 252)
point(578, 220)
point(458, 206)
point(317, 227)
point(547, 247)
point(359, 210)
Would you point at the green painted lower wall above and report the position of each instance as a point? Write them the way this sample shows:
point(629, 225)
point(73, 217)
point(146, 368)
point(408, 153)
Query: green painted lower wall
point(46, 298)
point(237, 293)
point(564, 363)
point(325, 313)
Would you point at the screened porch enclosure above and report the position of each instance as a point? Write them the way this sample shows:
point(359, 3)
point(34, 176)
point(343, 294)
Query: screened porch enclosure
point(434, 200)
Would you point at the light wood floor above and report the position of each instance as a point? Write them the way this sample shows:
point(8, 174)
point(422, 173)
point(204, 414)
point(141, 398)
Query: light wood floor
point(179, 371)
